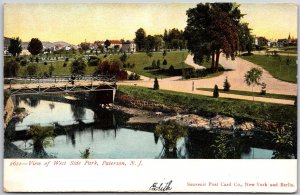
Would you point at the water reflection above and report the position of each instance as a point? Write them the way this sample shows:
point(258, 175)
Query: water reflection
point(77, 128)
point(78, 112)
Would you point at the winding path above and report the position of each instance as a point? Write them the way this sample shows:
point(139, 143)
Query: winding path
point(238, 68)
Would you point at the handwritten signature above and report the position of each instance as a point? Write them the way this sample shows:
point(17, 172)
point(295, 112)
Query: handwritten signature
point(166, 186)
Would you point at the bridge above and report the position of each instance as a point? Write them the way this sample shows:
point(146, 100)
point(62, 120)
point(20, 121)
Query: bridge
point(62, 84)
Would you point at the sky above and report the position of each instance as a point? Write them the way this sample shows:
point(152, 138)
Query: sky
point(75, 23)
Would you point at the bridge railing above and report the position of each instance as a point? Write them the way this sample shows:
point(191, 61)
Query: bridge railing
point(63, 78)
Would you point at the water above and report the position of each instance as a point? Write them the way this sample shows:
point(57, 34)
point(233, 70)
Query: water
point(106, 139)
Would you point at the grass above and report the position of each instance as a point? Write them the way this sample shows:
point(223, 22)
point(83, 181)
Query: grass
point(58, 68)
point(276, 66)
point(209, 105)
point(256, 94)
point(141, 60)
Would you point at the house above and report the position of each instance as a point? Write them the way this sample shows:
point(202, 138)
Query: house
point(128, 47)
point(260, 41)
point(272, 43)
point(282, 42)
point(115, 44)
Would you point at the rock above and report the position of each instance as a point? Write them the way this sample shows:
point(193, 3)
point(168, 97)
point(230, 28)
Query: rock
point(190, 120)
point(158, 113)
point(246, 126)
point(222, 122)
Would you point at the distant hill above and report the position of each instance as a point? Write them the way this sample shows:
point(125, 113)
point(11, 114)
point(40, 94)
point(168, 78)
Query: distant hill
point(46, 44)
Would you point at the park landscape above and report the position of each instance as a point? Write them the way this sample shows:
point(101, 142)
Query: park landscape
point(211, 90)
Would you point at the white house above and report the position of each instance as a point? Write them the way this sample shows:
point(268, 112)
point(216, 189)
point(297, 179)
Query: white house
point(128, 47)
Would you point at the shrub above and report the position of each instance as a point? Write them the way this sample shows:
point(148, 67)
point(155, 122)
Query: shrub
point(23, 62)
point(156, 85)
point(171, 69)
point(18, 110)
point(31, 69)
point(37, 60)
point(133, 76)
point(11, 68)
point(67, 59)
point(94, 61)
point(216, 92)
point(153, 64)
point(158, 64)
point(45, 63)
point(263, 88)
point(148, 68)
point(46, 74)
point(65, 64)
point(226, 85)
point(165, 62)
point(85, 154)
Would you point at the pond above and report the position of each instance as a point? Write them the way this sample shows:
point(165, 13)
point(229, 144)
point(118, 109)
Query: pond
point(106, 136)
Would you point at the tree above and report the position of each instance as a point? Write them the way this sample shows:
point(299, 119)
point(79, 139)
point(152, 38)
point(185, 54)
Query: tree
point(216, 91)
point(35, 46)
point(85, 46)
point(11, 68)
point(158, 42)
point(51, 69)
point(78, 66)
point(212, 28)
point(41, 137)
point(226, 85)
point(156, 85)
point(170, 132)
point(107, 43)
point(149, 43)
point(252, 77)
point(139, 40)
point(245, 38)
point(15, 46)
point(31, 70)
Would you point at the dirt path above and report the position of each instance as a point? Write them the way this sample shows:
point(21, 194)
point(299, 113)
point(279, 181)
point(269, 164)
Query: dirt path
point(236, 78)
point(189, 60)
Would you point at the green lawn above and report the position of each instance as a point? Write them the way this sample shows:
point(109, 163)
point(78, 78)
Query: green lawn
point(209, 105)
point(276, 65)
point(256, 94)
point(59, 69)
point(141, 60)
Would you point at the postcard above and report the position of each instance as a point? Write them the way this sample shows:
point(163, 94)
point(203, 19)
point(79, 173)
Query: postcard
point(150, 97)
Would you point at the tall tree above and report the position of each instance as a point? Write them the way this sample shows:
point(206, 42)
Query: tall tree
point(139, 40)
point(35, 46)
point(212, 28)
point(85, 46)
point(107, 43)
point(149, 43)
point(15, 46)
point(245, 38)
